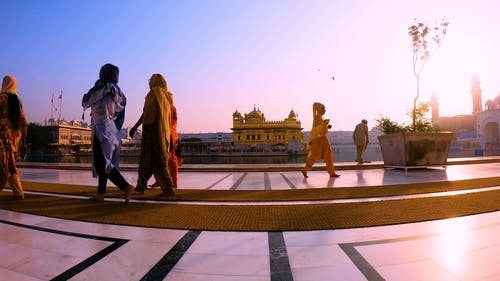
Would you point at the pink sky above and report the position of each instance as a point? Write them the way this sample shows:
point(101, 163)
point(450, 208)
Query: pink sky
point(225, 55)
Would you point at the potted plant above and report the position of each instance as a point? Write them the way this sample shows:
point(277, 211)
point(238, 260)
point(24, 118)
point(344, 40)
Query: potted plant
point(413, 146)
point(419, 144)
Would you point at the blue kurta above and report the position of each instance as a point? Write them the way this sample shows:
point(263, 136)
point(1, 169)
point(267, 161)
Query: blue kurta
point(106, 104)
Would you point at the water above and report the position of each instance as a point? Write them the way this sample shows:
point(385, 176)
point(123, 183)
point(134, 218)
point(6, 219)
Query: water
point(341, 154)
point(126, 159)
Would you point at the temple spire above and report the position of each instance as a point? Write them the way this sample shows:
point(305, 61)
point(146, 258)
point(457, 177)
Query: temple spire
point(476, 91)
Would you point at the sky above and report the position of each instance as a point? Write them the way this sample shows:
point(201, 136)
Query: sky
point(219, 56)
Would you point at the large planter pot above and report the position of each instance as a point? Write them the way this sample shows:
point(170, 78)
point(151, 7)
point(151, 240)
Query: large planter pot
point(407, 150)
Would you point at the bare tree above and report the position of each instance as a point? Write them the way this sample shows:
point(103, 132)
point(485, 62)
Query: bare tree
point(425, 41)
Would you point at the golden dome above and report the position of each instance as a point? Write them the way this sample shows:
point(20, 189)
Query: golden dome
point(255, 113)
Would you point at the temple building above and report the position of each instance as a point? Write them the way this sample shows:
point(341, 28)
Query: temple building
point(64, 132)
point(253, 131)
point(477, 134)
point(488, 126)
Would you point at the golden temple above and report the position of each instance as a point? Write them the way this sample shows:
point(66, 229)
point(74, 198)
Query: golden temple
point(253, 130)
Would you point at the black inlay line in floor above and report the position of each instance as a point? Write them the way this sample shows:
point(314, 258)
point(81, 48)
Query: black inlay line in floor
point(55, 231)
point(88, 262)
point(290, 183)
point(367, 269)
point(116, 243)
point(219, 181)
point(278, 257)
point(238, 182)
point(170, 259)
point(361, 263)
point(267, 181)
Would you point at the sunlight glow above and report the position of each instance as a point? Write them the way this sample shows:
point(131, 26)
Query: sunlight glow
point(452, 244)
point(456, 173)
point(450, 71)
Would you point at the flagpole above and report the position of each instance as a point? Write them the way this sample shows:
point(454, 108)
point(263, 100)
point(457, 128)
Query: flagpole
point(52, 107)
point(60, 107)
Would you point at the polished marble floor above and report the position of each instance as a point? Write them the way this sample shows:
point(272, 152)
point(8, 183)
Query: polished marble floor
point(463, 248)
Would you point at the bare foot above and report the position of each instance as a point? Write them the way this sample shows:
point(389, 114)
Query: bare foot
point(156, 184)
point(128, 192)
point(138, 192)
point(97, 198)
point(170, 192)
point(304, 173)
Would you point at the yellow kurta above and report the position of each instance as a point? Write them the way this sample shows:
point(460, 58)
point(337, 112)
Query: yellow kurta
point(318, 144)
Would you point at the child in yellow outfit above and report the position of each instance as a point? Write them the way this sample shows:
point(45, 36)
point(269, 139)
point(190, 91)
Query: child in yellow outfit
point(318, 144)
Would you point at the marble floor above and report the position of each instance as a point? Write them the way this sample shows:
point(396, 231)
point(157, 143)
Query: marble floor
point(462, 248)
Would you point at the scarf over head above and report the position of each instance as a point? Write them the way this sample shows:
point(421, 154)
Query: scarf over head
point(109, 73)
point(9, 85)
point(15, 112)
point(161, 99)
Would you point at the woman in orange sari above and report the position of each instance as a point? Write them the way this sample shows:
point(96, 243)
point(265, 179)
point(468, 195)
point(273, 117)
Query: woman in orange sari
point(174, 155)
point(318, 144)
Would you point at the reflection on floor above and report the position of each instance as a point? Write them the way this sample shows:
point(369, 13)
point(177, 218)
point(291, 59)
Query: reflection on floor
point(464, 248)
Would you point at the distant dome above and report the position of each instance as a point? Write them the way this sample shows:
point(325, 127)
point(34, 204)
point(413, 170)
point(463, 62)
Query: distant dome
point(237, 115)
point(493, 104)
point(292, 115)
point(255, 116)
point(255, 113)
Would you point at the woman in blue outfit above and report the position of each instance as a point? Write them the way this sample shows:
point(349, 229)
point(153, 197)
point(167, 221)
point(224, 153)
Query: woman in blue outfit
point(107, 103)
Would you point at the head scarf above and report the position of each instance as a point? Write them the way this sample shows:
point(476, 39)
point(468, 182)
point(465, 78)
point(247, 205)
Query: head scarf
point(319, 128)
point(15, 108)
point(109, 73)
point(157, 80)
point(9, 85)
point(318, 109)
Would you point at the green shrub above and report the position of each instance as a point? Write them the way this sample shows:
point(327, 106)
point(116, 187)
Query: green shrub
point(422, 122)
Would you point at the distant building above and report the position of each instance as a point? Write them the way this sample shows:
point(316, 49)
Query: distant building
point(476, 134)
point(68, 133)
point(78, 132)
point(487, 127)
point(205, 143)
point(458, 124)
point(254, 132)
